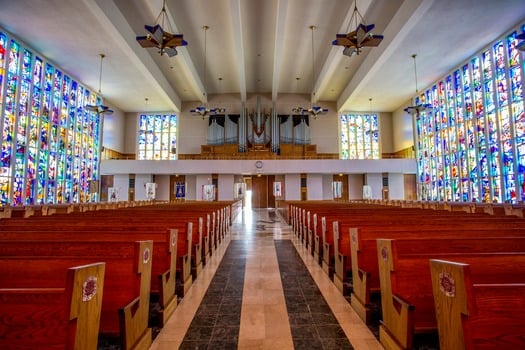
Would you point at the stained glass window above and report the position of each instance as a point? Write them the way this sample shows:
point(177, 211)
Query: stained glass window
point(359, 136)
point(50, 142)
point(482, 158)
point(157, 138)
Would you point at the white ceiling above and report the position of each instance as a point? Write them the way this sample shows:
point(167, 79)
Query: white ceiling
point(258, 46)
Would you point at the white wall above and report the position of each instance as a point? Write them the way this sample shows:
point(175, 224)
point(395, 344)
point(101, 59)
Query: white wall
point(315, 186)
point(121, 184)
point(140, 186)
point(328, 194)
point(131, 133)
point(292, 187)
point(226, 187)
point(375, 181)
point(201, 180)
point(163, 187)
point(192, 130)
point(385, 134)
point(113, 136)
point(191, 187)
point(271, 166)
point(355, 186)
point(402, 131)
point(396, 186)
point(324, 127)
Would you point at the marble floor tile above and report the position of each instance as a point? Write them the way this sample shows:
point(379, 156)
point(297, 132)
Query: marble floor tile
point(262, 290)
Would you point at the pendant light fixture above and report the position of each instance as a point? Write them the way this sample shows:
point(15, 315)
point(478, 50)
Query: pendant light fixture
point(416, 110)
point(203, 109)
point(361, 36)
point(314, 110)
point(100, 109)
point(157, 37)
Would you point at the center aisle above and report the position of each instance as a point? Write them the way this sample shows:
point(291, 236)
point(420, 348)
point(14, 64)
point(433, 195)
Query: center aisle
point(263, 314)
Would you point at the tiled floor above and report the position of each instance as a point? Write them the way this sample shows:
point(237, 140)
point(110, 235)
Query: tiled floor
point(313, 324)
point(263, 298)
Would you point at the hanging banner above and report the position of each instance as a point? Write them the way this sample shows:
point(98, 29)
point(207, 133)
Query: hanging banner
point(277, 189)
point(112, 194)
point(150, 190)
point(238, 190)
point(367, 192)
point(180, 190)
point(208, 192)
point(337, 189)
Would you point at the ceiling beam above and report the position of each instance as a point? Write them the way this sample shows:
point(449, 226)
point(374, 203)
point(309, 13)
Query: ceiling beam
point(236, 17)
point(195, 80)
point(335, 56)
point(280, 24)
point(114, 21)
point(408, 15)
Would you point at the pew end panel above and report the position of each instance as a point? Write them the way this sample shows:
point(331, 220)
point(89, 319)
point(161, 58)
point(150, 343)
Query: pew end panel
point(340, 261)
point(395, 331)
point(197, 247)
point(326, 243)
point(184, 258)
point(134, 317)
point(167, 281)
point(66, 317)
point(476, 316)
point(360, 297)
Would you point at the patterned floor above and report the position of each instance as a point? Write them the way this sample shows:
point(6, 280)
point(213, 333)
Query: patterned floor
point(216, 324)
point(262, 290)
point(313, 324)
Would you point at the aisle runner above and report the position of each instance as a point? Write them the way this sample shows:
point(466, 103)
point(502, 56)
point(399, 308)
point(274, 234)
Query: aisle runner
point(313, 324)
point(217, 321)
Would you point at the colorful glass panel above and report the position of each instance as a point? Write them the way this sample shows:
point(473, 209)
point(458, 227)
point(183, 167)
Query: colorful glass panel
point(42, 131)
point(471, 146)
point(359, 136)
point(157, 136)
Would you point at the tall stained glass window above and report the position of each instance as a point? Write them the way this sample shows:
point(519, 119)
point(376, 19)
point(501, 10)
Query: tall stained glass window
point(50, 142)
point(157, 139)
point(359, 136)
point(471, 145)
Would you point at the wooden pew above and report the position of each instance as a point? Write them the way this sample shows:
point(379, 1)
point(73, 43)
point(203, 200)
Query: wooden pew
point(133, 221)
point(65, 316)
point(184, 259)
point(125, 305)
point(479, 306)
point(365, 267)
point(406, 286)
point(164, 255)
point(310, 232)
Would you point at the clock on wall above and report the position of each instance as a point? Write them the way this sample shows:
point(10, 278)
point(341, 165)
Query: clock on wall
point(258, 164)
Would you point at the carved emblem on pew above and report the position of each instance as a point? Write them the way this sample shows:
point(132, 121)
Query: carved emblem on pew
point(447, 285)
point(146, 255)
point(89, 288)
point(384, 253)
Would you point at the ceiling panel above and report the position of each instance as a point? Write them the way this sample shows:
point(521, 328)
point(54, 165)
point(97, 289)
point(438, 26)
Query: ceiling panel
point(258, 46)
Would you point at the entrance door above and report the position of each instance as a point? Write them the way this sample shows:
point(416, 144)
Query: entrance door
point(262, 191)
point(259, 192)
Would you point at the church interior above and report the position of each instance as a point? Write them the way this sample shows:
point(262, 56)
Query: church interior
point(271, 149)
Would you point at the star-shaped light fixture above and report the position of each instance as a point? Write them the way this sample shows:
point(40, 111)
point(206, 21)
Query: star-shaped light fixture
point(164, 40)
point(313, 110)
point(100, 109)
point(362, 36)
point(416, 110)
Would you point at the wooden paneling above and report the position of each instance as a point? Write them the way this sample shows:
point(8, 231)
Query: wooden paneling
point(260, 191)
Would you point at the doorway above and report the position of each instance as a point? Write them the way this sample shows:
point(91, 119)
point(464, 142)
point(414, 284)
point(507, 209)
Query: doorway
point(261, 187)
